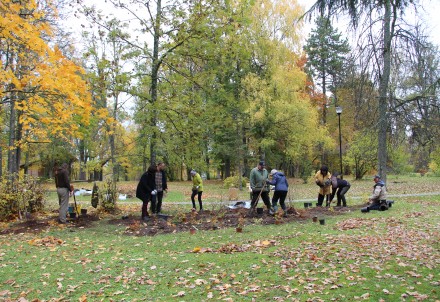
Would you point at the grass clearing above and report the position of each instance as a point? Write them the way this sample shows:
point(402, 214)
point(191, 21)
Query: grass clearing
point(377, 256)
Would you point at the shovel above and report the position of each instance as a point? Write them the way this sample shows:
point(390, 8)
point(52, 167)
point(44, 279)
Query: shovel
point(252, 209)
point(74, 200)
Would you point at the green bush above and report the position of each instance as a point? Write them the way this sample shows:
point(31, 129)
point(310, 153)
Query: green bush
point(234, 182)
point(108, 196)
point(20, 195)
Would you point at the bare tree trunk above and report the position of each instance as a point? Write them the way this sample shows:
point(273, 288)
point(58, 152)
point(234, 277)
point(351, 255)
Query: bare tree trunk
point(383, 89)
point(12, 151)
point(112, 140)
point(82, 160)
point(154, 79)
point(1, 161)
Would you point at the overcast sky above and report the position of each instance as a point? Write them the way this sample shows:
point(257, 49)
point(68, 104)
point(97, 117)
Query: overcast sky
point(428, 15)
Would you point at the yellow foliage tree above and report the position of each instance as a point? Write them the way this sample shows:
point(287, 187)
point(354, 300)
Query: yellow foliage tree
point(45, 90)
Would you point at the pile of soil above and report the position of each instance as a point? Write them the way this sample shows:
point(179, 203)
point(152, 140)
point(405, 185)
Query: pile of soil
point(182, 222)
point(213, 220)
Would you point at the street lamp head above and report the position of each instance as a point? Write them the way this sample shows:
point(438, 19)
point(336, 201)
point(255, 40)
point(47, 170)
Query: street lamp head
point(338, 110)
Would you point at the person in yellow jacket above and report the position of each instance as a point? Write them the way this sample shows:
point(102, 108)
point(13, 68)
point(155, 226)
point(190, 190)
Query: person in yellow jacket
point(323, 180)
point(197, 189)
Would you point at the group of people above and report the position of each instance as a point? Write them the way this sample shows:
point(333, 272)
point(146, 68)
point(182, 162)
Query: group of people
point(151, 188)
point(260, 187)
point(153, 184)
point(329, 186)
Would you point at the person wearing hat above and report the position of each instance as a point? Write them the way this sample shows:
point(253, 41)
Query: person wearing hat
point(281, 188)
point(379, 197)
point(323, 180)
point(197, 189)
point(259, 186)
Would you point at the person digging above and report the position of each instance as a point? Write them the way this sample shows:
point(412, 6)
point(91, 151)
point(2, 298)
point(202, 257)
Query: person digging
point(260, 188)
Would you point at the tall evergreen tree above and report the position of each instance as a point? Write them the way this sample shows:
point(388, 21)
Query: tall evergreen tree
point(326, 50)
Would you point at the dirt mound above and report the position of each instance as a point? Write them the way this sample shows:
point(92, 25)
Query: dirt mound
point(180, 222)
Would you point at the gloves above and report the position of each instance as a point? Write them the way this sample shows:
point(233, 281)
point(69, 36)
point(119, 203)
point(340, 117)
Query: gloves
point(154, 192)
point(328, 182)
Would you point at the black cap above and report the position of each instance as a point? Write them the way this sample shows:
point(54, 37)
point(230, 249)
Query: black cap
point(261, 163)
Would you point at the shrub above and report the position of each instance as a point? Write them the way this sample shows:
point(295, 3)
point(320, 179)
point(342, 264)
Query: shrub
point(108, 196)
point(234, 182)
point(18, 196)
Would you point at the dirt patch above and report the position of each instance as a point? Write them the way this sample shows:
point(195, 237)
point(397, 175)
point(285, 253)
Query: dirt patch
point(40, 223)
point(181, 222)
point(214, 220)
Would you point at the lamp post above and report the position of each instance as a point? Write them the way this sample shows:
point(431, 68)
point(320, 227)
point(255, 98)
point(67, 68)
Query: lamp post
point(339, 111)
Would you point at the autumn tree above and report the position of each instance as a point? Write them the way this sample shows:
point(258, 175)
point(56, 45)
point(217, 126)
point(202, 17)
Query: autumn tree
point(44, 91)
point(386, 12)
point(106, 59)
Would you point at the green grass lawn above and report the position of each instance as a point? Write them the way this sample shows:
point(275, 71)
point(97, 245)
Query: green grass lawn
point(377, 256)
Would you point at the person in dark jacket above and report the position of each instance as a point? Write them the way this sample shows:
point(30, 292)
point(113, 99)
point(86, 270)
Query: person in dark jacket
point(281, 188)
point(64, 190)
point(146, 191)
point(161, 186)
point(339, 188)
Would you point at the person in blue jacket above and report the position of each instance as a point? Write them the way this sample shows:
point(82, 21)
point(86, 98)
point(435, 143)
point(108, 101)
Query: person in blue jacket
point(281, 188)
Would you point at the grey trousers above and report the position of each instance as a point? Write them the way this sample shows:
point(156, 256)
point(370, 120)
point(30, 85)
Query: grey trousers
point(63, 200)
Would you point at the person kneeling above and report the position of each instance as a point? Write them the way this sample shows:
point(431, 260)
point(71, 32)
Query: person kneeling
point(378, 200)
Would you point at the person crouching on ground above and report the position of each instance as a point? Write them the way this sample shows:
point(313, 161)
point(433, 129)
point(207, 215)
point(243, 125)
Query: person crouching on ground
point(339, 188)
point(379, 196)
point(197, 189)
point(146, 191)
point(281, 188)
point(323, 180)
point(260, 187)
